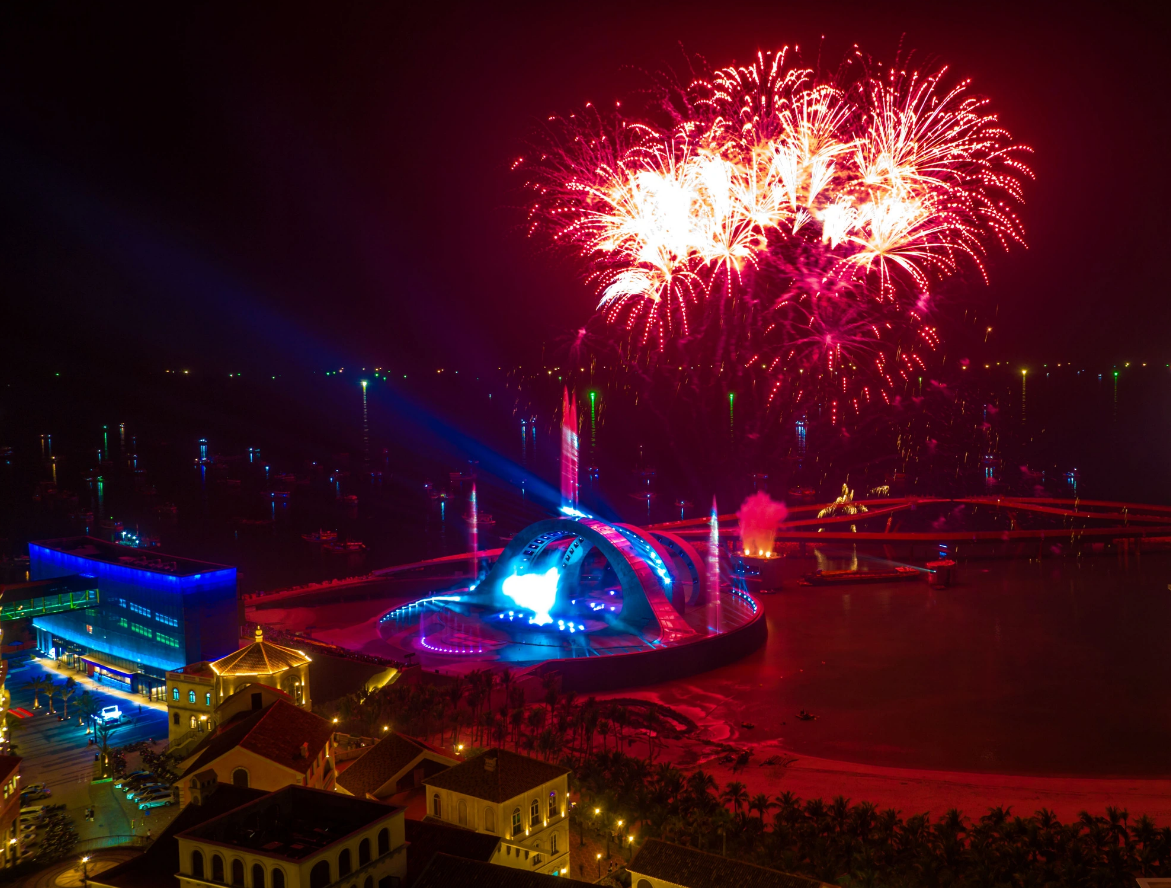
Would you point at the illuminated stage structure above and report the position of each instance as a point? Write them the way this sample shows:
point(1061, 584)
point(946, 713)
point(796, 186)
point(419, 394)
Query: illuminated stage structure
point(603, 603)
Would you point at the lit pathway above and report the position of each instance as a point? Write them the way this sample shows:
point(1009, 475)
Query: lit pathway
point(84, 682)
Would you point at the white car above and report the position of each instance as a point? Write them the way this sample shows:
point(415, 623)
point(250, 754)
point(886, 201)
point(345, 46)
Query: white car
point(110, 714)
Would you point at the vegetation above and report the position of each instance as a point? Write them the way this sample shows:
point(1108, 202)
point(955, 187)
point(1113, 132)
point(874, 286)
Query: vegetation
point(838, 841)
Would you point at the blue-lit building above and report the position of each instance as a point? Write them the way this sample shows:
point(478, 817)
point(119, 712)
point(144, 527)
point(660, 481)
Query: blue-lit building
point(154, 612)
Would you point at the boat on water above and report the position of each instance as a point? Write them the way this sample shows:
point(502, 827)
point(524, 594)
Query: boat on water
point(851, 577)
point(342, 548)
point(320, 536)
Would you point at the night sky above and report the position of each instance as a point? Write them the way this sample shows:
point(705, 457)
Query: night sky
point(245, 187)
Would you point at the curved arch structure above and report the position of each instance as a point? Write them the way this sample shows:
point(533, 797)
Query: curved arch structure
point(645, 567)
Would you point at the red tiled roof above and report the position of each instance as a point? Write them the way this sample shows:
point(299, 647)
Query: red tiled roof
point(382, 761)
point(510, 776)
point(681, 865)
point(276, 732)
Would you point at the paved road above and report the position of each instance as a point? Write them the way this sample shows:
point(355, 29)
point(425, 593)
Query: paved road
point(56, 753)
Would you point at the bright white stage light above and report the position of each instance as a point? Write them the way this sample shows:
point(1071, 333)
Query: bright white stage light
point(535, 592)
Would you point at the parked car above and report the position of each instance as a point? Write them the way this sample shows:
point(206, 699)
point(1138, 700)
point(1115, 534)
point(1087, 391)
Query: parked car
point(129, 778)
point(32, 813)
point(140, 782)
point(157, 800)
point(148, 789)
point(34, 792)
point(110, 714)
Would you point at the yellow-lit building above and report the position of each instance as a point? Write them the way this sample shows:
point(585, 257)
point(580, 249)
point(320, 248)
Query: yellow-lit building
point(520, 799)
point(198, 694)
point(297, 838)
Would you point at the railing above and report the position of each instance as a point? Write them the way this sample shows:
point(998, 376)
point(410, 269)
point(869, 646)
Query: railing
point(111, 842)
point(355, 875)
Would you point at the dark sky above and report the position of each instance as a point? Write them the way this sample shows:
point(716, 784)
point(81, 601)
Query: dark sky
point(247, 185)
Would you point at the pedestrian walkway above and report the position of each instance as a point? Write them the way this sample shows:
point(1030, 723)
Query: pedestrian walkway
point(89, 684)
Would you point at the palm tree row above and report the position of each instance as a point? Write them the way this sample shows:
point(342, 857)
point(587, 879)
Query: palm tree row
point(51, 689)
point(858, 844)
point(485, 708)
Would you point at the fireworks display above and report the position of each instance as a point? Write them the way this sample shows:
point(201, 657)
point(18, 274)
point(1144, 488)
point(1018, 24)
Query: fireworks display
point(773, 221)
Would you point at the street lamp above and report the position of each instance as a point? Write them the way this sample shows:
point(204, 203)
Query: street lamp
point(85, 870)
point(599, 864)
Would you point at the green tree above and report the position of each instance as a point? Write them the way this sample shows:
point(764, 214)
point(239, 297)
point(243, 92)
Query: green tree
point(87, 709)
point(69, 689)
point(37, 686)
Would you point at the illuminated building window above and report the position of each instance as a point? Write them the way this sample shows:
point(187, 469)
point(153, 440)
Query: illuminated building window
point(552, 804)
point(169, 621)
point(207, 699)
point(175, 694)
point(534, 813)
point(191, 697)
point(516, 827)
point(89, 628)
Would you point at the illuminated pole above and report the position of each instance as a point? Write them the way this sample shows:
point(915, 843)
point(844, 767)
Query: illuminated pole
point(475, 537)
point(569, 451)
point(1024, 376)
point(365, 427)
point(731, 416)
point(593, 427)
point(713, 562)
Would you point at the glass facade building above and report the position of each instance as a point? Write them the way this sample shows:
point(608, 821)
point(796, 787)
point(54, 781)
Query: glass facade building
point(154, 612)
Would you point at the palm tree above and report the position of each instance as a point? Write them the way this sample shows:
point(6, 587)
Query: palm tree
point(87, 709)
point(102, 732)
point(505, 679)
point(604, 730)
point(735, 794)
point(66, 692)
point(761, 804)
point(52, 689)
point(37, 686)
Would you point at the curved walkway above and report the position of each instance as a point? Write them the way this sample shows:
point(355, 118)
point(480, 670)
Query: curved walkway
point(68, 874)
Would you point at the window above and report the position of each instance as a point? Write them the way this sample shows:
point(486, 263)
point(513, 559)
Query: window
point(240, 778)
point(343, 863)
point(191, 696)
point(194, 721)
point(363, 852)
point(463, 813)
point(166, 621)
point(516, 821)
point(217, 868)
point(207, 702)
point(278, 878)
point(534, 813)
point(257, 876)
point(167, 640)
point(238, 872)
point(175, 694)
point(123, 623)
point(319, 875)
point(552, 804)
point(122, 602)
point(139, 609)
point(197, 864)
point(490, 820)
point(436, 806)
point(553, 844)
point(383, 843)
point(176, 719)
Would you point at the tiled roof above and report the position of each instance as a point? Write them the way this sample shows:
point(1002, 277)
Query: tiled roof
point(259, 658)
point(157, 867)
point(276, 732)
point(426, 839)
point(698, 869)
point(448, 871)
point(513, 775)
point(381, 762)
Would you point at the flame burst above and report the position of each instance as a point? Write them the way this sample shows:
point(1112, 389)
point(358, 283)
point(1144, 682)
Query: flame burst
point(780, 221)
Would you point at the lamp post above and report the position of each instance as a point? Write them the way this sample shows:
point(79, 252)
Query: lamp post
point(599, 865)
point(85, 871)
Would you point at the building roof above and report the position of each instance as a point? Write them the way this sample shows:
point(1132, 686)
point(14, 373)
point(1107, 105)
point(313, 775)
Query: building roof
point(275, 732)
point(94, 549)
point(157, 866)
point(200, 670)
point(698, 869)
point(259, 658)
point(382, 761)
point(426, 839)
point(294, 822)
point(448, 871)
point(510, 776)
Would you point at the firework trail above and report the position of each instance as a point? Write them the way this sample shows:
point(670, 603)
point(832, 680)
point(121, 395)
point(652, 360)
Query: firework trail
point(787, 225)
